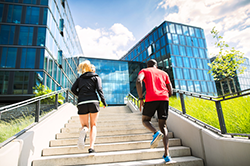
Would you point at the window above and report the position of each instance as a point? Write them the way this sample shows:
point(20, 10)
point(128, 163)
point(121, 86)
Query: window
point(204, 86)
point(195, 42)
point(179, 73)
point(201, 43)
point(189, 42)
point(29, 1)
point(202, 53)
point(44, 2)
point(142, 45)
point(176, 50)
point(169, 38)
point(199, 63)
point(193, 74)
point(183, 51)
point(163, 41)
point(189, 52)
point(196, 53)
point(205, 73)
point(178, 29)
point(172, 28)
point(166, 63)
point(7, 34)
point(157, 44)
point(182, 40)
point(28, 58)
point(197, 86)
point(175, 39)
point(61, 25)
point(21, 81)
point(191, 30)
point(41, 59)
point(163, 52)
point(1, 13)
point(176, 82)
point(186, 62)
point(183, 85)
point(45, 14)
point(193, 63)
point(185, 30)
point(202, 33)
point(41, 37)
point(190, 86)
point(186, 74)
point(8, 59)
point(205, 64)
point(160, 31)
point(14, 14)
point(32, 15)
point(200, 75)
point(179, 61)
point(165, 28)
point(4, 82)
point(25, 35)
point(197, 31)
point(155, 35)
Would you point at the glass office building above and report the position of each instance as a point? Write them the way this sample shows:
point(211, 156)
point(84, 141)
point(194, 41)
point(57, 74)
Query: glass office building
point(244, 79)
point(118, 78)
point(38, 45)
point(181, 51)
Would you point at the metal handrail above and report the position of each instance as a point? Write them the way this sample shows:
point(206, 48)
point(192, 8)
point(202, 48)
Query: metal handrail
point(36, 100)
point(216, 99)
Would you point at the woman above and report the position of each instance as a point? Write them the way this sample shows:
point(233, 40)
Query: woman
point(85, 88)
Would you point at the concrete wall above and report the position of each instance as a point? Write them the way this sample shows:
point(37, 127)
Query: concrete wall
point(212, 148)
point(23, 150)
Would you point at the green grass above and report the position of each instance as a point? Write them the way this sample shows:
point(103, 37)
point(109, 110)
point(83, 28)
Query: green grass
point(236, 112)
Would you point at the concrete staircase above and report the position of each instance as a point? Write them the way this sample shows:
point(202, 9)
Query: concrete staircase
point(121, 140)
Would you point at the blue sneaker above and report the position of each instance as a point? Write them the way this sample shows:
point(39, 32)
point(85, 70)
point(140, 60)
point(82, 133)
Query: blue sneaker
point(167, 158)
point(156, 138)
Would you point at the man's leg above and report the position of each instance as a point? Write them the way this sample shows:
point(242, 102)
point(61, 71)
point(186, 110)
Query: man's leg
point(146, 121)
point(164, 130)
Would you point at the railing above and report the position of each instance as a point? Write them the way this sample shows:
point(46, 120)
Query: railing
point(69, 97)
point(217, 101)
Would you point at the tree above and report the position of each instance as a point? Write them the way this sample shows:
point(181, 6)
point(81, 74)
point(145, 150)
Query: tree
point(227, 62)
point(40, 90)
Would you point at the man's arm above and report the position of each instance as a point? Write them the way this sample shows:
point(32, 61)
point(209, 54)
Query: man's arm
point(139, 88)
point(170, 89)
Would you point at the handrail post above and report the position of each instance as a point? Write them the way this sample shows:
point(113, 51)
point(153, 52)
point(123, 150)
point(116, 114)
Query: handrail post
point(74, 99)
point(38, 103)
point(56, 101)
point(182, 104)
point(67, 96)
point(221, 118)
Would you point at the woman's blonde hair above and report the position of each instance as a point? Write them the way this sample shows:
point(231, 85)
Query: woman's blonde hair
point(83, 67)
point(93, 68)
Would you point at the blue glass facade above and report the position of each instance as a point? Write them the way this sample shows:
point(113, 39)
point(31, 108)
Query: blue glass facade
point(181, 51)
point(38, 44)
point(118, 78)
point(244, 79)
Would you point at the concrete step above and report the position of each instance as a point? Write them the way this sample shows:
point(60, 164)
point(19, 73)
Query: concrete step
point(114, 126)
point(104, 139)
point(75, 134)
point(106, 129)
point(110, 157)
point(107, 147)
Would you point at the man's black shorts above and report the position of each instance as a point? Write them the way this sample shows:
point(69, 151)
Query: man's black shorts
point(161, 107)
point(88, 108)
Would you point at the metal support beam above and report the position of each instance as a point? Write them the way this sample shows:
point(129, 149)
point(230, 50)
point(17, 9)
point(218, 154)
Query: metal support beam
point(220, 117)
point(37, 114)
point(56, 101)
point(67, 96)
point(182, 104)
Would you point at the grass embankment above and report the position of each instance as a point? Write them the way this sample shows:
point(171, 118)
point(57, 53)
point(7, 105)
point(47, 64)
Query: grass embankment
point(236, 112)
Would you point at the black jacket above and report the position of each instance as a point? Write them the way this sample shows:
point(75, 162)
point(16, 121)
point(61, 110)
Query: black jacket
point(85, 87)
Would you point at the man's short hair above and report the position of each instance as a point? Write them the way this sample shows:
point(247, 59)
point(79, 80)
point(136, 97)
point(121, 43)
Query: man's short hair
point(151, 63)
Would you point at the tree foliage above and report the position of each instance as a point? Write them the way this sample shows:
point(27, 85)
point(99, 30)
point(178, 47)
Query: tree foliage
point(40, 90)
point(227, 61)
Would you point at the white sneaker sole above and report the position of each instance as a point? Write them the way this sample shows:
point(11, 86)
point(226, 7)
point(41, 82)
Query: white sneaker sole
point(81, 140)
point(156, 142)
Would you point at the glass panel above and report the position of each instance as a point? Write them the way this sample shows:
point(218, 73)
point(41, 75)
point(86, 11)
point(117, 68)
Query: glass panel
point(45, 13)
point(183, 51)
point(186, 74)
point(163, 53)
point(1, 12)
point(155, 35)
point(197, 31)
point(201, 43)
point(169, 38)
point(41, 36)
point(179, 61)
point(202, 53)
point(157, 44)
point(183, 85)
point(38, 78)
point(200, 75)
point(44, 2)
point(14, 14)
point(193, 63)
point(165, 28)
point(199, 63)
point(176, 50)
point(190, 86)
point(11, 58)
point(206, 75)
point(32, 15)
point(160, 31)
point(175, 39)
point(163, 41)
point(189, 52)
point(202, 33)
point(4, 82)
point(185, 30)
point(18, 82)
point(195, 42)
point(196, 53)
point(176, 82)
point(191, 30)
point(186, 62)
point(25, 35)
point(172, 28)
point(197, 86)
point(193, 74)
point(178, 29)
point(189, 42)
point(204, 86)
point(30, 59)
point(182, 40)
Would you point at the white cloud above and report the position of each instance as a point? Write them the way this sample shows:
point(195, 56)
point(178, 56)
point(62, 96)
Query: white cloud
point(230, 17)
point(102, 43)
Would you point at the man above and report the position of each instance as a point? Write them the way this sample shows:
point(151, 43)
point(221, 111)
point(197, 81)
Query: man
point(158, 91)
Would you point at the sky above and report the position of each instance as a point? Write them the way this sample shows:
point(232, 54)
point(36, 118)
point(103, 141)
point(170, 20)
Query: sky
point(110, 28)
